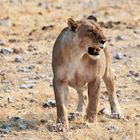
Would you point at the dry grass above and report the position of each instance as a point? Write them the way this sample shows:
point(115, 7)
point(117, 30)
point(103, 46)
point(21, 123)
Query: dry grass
point(26, 17)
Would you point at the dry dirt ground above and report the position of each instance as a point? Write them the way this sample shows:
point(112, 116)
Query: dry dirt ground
point(29, 28)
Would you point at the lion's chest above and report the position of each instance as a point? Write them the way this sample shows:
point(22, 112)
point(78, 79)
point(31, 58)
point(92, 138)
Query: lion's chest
point(76, 74)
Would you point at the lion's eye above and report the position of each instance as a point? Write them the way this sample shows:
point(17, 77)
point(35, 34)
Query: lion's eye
point(95, 34)
point(90, 31)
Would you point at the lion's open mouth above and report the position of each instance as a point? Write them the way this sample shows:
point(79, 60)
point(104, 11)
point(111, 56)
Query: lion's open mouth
point(91, 51)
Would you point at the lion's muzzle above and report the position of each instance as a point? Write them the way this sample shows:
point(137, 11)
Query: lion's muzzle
point(93, 51)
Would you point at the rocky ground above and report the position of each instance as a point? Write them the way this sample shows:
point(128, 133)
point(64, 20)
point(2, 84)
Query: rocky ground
point(28, 29)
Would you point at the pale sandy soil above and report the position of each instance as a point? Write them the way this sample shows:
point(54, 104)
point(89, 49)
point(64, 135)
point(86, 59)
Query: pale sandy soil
point(24, 30)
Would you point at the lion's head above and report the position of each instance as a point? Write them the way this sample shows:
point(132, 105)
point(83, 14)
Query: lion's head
point(88, 34)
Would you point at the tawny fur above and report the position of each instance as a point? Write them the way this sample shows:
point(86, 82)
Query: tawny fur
point(74, 66)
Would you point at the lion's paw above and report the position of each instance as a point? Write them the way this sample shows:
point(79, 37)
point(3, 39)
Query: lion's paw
point(73, 115)
point(117, 116)
point(59, 127)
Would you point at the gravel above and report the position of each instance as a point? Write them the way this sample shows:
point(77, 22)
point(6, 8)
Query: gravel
point(119, 56)
point(6, 51)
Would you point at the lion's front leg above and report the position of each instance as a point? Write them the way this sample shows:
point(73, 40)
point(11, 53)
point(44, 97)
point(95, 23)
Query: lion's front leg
point(93, 94)
point(60, 90)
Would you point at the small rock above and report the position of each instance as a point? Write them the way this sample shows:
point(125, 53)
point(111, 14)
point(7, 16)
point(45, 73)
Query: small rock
point(105, 111)
point(6, 51)
point(113, 128)
point(109, 24)
point(36, 77)
point(43, 121)
point(119, 38)
point(110, 138)
point(17, 50)
point(23, 126)
point(13, 40)
point(23, 70)
point(133, 73)
point(138, 81)
point(31, 48)
point(26, 86)
point(31, 93)
point(2, 43)
point(10, 99)
point(19, 59)
point(5, 128)
point(119, 56)
point(104, 97)
point(43, 5)
point(33, 100)
point(44, 28)
point(56, 128)
point(4, 21)
point(125, 99)
point(16, 119)
point(32, 66)
point(49, 103)
point(32, 81)
point(125, 137)
point(118, 93)
point(138, 98)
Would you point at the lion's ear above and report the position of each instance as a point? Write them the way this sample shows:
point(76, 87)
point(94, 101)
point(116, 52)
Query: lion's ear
point(91, 17)
point(72, 24)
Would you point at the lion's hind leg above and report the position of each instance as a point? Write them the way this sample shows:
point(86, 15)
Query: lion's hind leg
point(110, 85)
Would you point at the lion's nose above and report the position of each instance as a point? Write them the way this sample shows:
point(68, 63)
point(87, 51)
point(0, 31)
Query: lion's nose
point(102, 41)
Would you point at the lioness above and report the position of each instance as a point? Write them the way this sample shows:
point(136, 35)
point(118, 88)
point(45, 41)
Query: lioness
point(81, 60)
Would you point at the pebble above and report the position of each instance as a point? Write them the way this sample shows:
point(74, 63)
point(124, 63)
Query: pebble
point(31, 48)
point(133, 73)
point(23, 126)
point(104, 97)
point(17, 50)
point(32, 81)
point(44, 28)
point(31, 66)
point(43, 121)
point(120, 38)
point(5, 128)
point(118, 93)
point(12, 40)
point(4, 21)
point(33, 100)
point(24, 70)
point(119, 56)
point(109, 24)
point(113, 128)
point(10, 99)
point(16, 119)
point(49, 103)
point(26, 86)
point(125, 99)
point(43, 5)
point(2, 43)
point(105, 111)
point(6, 51)
point(19, 59)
